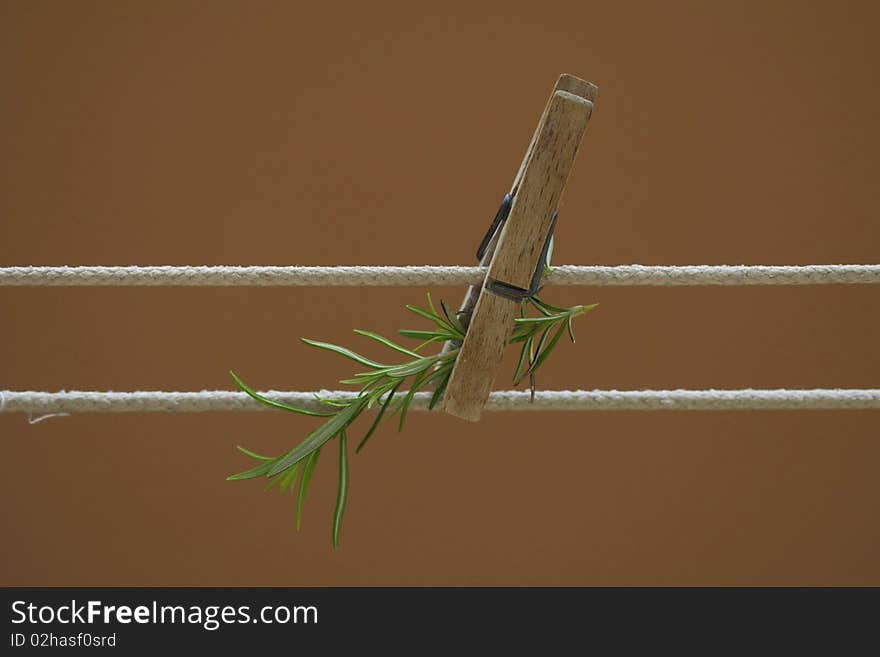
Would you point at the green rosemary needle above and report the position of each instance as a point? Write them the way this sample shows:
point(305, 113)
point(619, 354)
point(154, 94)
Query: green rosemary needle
point(380, 383)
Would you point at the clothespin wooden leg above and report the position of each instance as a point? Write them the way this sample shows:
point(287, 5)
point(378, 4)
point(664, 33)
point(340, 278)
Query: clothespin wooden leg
point(566, 82)
point(518, 244)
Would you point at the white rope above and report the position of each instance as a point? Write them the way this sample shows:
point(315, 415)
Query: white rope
point(435, 275)
point(48, 416)
point(506, 400)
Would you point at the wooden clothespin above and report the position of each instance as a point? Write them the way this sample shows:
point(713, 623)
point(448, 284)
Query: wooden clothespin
point(515, 247)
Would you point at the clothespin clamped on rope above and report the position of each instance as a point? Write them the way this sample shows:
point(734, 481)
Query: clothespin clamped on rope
point(515, 248)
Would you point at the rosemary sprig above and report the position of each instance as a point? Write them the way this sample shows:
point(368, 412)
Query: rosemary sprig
point(379, 386)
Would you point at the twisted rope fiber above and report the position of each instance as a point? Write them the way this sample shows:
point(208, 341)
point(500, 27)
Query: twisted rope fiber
point(75, 401)
point(620, 275)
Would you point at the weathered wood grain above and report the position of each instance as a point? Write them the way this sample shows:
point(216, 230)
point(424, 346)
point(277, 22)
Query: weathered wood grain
point(566, 82)
point(539, 186)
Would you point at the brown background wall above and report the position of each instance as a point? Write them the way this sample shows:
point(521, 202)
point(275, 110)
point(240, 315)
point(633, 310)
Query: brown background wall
point(385, 133)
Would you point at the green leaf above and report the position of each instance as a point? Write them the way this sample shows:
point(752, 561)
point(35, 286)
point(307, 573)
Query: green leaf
point(289, 478)
point(431, 303)
point(414, 367)
point(388, 343)
point(453, 318)
point(424, 335)
point(407, 399)
point(441, 387)
point(342, 351)
point(439, 321)
point(275, 404)
point(378, 418)
point(260, 471)
point(427, 342)
point(443, 372)
point(521, 334)
point(272, 481)
point(358, 380)
point(520, 366)
point(540, 303)
point(254, 455)
point(335, 403)
point(374, 394)
point(540, 348)
point(319, 436)
point(549, 319)
point(546, 352)
point(342, 490)
point(541, 309)
point(308, 471)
